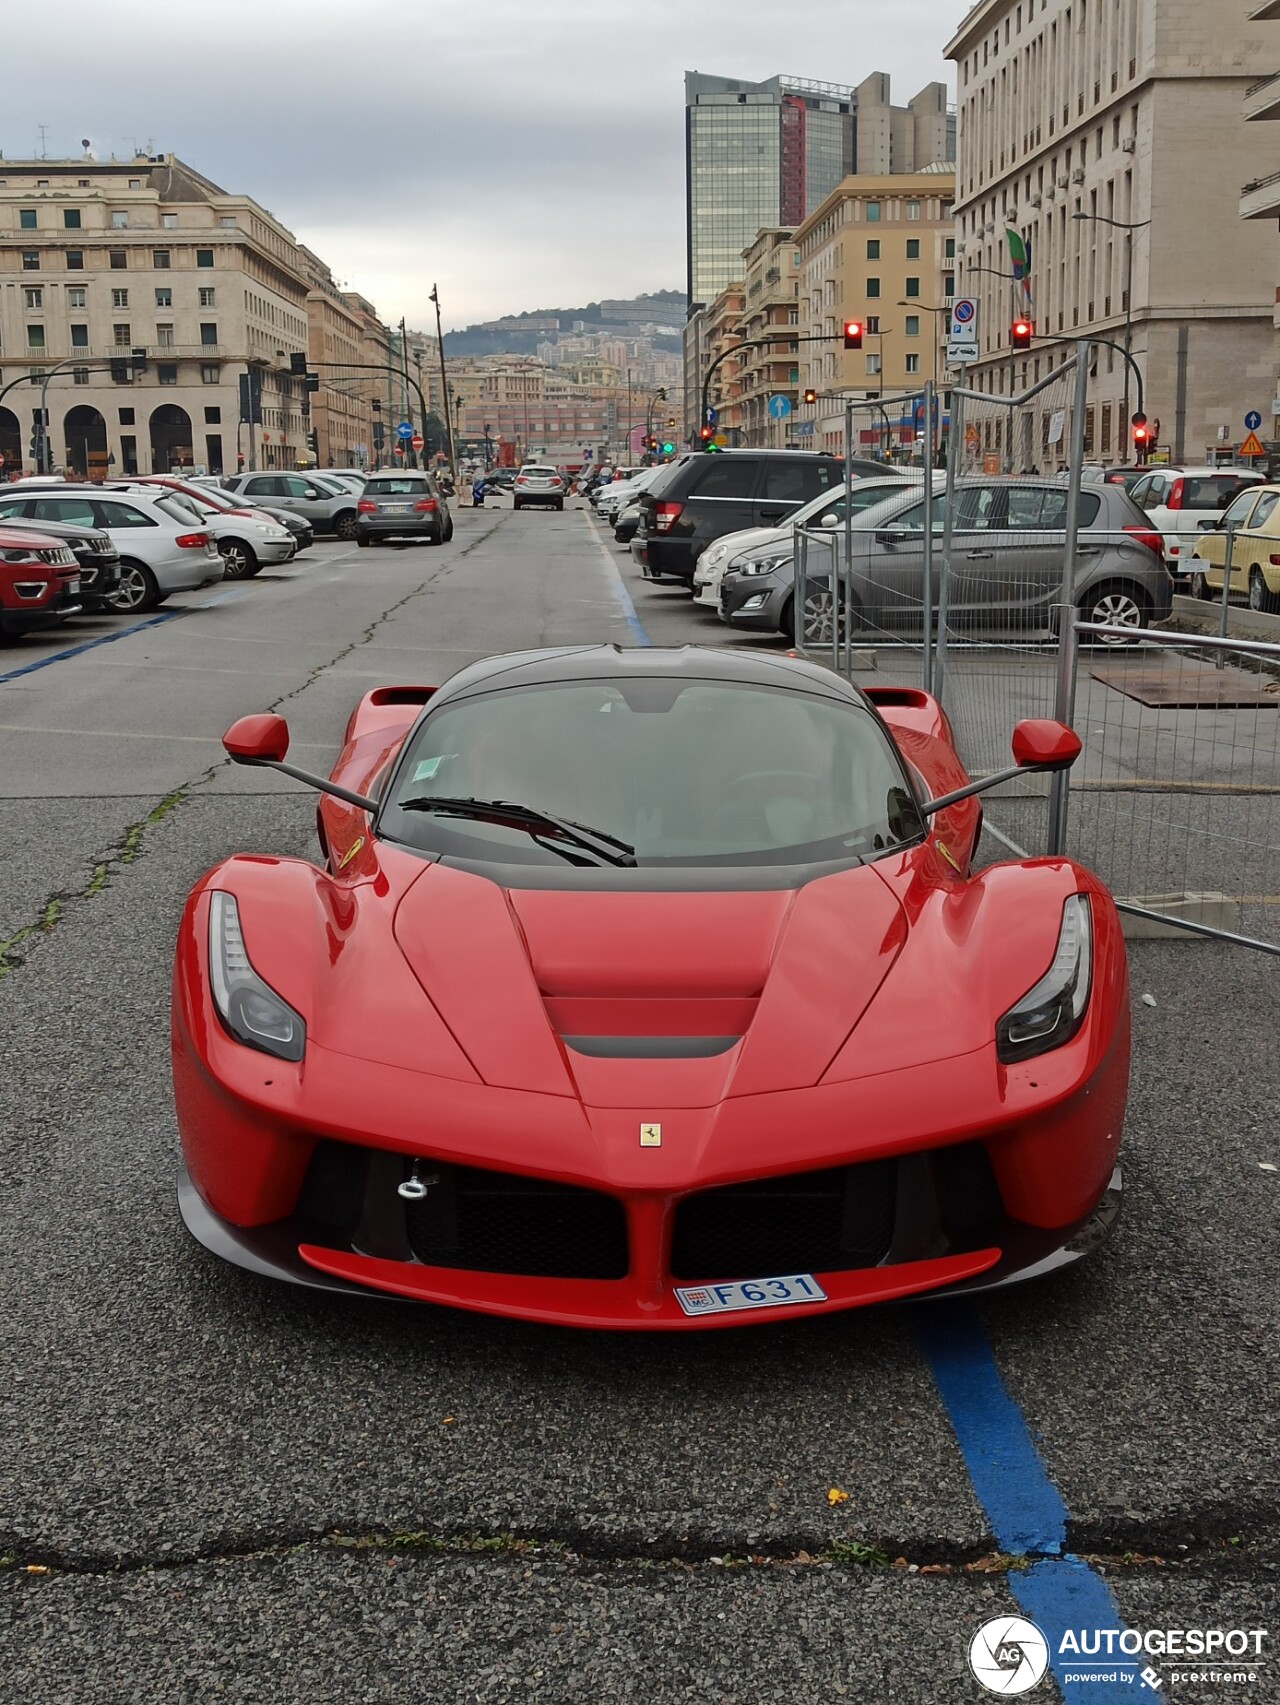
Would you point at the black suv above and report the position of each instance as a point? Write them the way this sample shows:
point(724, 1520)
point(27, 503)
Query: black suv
point(705, 495)
point(98, 558)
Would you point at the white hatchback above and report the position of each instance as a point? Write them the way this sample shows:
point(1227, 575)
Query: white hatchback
point(1183, 503)
point(163, 548)
point(247, 540)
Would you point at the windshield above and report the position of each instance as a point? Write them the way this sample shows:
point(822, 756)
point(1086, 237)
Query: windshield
point(866, 494)
point(684, 772)
point(406, 486)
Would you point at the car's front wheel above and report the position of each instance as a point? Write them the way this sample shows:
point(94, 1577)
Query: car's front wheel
point(239, 560)
point(362, 539)
point(820, 618)
point(1200, 587)
point(1117, 604)
point(345, 526)
point(1260, 599)
point(137, 590)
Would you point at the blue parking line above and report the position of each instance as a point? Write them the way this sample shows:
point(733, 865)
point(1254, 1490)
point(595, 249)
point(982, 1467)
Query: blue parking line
point(90, 645)
point(634, 624)
point(1022, 1506)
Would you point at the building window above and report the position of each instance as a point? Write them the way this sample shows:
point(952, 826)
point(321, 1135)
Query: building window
point(79, 337)
point(30, 260)
point(164, 296)
point(873, 248)
point(913, 287)
point(119, 298)
point(169, 221)
point(167, 372)
point(913, 362)
point(948, 284)
point(126, 417)
point(204, 257)
point(121, 334)
point(77, 297)
point(210, 373)
point(80, 375)
point(227, 222)
point(871, 325)
point(119, 221)
point(75, 260)
point(208, 332)
point(949, 248)
point(873, 212)
point(35, 337)
point(160, 259)
point(873, 287)
point(873, 364)
point(912, 325)
point(33, 298)
point(913, 248)
point(164, 335)
point(119, 259)
point(213, 416)
point(207, 294)
point(71, 218)
point(913, 210)
point(27, 219)
point(135, 183)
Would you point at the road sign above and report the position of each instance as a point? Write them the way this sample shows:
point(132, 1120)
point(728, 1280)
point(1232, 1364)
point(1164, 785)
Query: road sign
point(405, 429)
point(779, 406)
point(803, 429)
point(1253, 420)
point(587, 454)
point(417, 442)
point(1251, 446)
point(1057, 421)
point(712, 417)
point(962, 339)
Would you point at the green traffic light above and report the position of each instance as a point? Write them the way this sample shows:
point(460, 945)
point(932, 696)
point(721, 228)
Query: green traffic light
point(667, 449)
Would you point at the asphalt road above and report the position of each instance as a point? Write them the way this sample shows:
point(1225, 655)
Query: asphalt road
point(215, 1488)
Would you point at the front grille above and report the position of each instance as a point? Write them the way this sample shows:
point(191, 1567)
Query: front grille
point(807, 1222)
point(497, 1222)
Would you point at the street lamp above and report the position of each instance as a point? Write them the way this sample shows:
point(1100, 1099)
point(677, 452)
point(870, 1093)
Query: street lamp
point(925, 308)
point(1128, 227)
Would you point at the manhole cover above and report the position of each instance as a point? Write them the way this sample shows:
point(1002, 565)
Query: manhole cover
point(1184, 685)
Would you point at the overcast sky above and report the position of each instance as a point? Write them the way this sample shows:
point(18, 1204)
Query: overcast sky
point(520, 155)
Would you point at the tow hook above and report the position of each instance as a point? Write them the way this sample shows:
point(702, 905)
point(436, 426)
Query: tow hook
point(415, 1188)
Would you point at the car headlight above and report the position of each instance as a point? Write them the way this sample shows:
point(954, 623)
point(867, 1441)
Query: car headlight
point(251, 1010)
point(761, 564)
point(1051, 1012)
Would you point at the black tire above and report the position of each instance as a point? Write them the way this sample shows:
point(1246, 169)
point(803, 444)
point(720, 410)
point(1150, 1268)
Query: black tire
point(345, 525)
point(1200, 587)
point(436, 536)
point(1118, 603)
point(515, 503)
point(1260, 600)
point(239, 560)
point(448, 532)
point(362, 539)
point(560, 505)
point(137, 589)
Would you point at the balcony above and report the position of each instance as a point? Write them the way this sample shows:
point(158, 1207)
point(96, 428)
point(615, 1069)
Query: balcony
point(1262, 99)
point(1261, 198)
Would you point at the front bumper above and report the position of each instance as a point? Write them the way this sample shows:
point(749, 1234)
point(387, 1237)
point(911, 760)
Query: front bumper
point(755, 603)
point(273, 552)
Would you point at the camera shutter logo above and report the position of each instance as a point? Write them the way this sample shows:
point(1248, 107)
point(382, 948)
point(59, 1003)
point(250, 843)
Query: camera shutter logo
point(1008, 1655)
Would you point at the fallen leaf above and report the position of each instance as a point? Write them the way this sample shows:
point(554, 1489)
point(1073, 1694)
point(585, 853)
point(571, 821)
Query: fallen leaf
point(1148, 1000)
point(836, 1496)
point(37, 1568)
point(1267, 1166)
point(447, 1421)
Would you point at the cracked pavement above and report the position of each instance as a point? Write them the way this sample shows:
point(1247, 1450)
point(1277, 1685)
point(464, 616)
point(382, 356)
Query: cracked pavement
point(521, 1512)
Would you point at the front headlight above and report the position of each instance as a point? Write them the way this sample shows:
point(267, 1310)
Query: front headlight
point(1051, 1012)
point(251, 1011)
point(761, 564)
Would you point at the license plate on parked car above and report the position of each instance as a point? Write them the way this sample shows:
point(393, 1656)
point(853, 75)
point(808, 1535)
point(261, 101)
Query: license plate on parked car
point(74, 584)
point(397, 509)
point(750, 1293)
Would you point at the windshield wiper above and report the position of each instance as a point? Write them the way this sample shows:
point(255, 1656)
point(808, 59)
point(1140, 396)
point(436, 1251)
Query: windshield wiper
point(606, 848)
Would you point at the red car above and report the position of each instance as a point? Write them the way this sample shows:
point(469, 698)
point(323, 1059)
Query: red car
point(649, 989)
point(39, 581)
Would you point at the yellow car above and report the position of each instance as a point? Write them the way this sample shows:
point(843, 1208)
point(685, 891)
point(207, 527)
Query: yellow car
point(1255, 550)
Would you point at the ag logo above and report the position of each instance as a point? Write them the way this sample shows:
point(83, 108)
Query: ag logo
point(1008, 1655)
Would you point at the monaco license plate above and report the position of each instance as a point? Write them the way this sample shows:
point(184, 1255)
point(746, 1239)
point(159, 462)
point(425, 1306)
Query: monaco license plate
point(750, 1293)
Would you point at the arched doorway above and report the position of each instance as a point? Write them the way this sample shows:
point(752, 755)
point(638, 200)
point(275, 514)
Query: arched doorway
point(10, 443)
point(171, 439)
point(84, 433)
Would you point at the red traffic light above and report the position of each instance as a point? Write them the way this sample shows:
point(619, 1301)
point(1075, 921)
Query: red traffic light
point(853, 334)
point(1141, 434)
point(705, 434)
point(1020, 334)
point(811, 396)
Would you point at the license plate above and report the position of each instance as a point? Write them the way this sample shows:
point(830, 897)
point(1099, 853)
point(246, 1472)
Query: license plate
point(397, 509)
point(73, 585)
point(750, 1293)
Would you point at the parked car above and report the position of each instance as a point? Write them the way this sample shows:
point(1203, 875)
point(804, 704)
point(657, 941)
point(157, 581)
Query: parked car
point(96, 557)
point(162, 550)
point(1182, 502)
point(701, 497)
point(403, 506)
point(537, 484)
point(213, 491)
point(352, 482)
point(626, 521)
point(39, 581)
point(1008, 546)
point(1127, 474)
point(247, 540)
point(1255, 550)
point(611, 499)
point(758, 543)
point(329, 508)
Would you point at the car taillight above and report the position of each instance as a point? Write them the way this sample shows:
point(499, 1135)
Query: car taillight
point(1145, 536)
point(192, 541)
point(367, 506)
point(426, 507)
point(522, 480)
point(1175, 496)
point(665, 516)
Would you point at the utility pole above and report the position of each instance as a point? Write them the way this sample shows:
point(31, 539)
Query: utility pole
point(444, 383)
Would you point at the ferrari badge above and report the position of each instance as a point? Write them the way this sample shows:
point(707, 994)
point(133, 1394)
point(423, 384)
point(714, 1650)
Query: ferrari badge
point(651, 1136)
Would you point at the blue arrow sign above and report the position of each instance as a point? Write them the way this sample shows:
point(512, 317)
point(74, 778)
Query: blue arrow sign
point(712, 417)
point(1253, 420)
point(779, 406)
point(404, 430)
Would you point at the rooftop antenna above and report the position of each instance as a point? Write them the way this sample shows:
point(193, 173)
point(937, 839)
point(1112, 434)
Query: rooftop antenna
point(43, 129)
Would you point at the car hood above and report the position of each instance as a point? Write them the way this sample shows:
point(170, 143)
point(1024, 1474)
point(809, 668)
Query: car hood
point(616, 998)
point(733, 544)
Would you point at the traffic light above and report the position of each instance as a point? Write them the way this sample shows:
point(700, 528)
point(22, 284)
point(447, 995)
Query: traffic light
point(671, 420)
point(705, 433)
point(1141, 435)
point(311, 381)
point(668, 449)
point(298, 361)
point(1020, 334)
point(313, 442)
point(853, 334)
point(121, 371)
point(811, 396)
point(138, 361)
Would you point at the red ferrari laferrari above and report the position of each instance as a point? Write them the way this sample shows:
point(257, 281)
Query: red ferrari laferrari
point(649, 989)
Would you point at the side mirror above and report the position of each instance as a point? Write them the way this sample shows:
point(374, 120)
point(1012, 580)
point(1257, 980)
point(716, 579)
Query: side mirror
point(257, 740)
point(311, 492)
point(1039, 743)
point(831, 519)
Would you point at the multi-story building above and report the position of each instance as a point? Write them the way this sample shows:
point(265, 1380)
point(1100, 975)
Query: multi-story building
point(879, 250)
point(762, 155)
point(99, 260)
point(771, 368)
point(341, 410)
point(722, 331)
point(1103, 135)
point(1260, 198)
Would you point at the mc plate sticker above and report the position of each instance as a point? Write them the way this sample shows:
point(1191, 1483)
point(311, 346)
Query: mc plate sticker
point(750, 1293)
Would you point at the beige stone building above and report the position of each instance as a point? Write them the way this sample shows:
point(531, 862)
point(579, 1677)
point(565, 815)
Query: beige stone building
point(880, 249)
point(1260, 197)
point(102, 259)
point(1110, 136)
point(772, 283)
point(722, 330)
